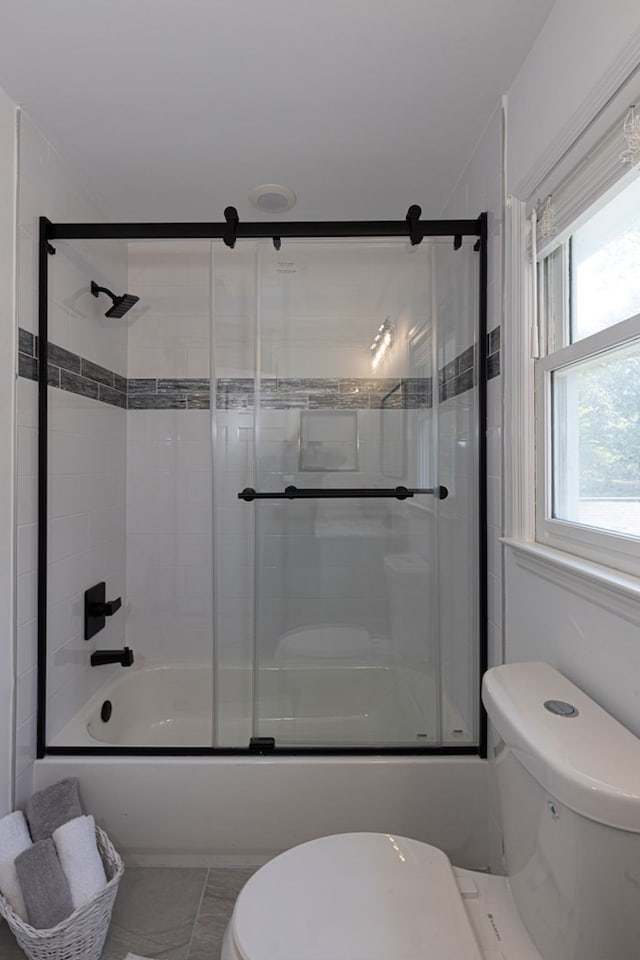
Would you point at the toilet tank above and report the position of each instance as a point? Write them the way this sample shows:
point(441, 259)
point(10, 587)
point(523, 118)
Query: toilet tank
point(569, 788)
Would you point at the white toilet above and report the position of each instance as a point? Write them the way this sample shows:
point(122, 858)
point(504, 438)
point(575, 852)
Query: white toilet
point(405, 577)
point(569, 786)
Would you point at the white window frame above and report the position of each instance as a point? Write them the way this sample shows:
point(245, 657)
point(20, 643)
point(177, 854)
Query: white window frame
point(610, 549)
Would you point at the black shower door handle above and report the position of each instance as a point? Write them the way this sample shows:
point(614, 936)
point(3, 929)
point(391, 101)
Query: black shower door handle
point(320, 493)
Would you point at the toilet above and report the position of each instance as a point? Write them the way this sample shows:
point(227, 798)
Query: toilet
point(568, 778)
point(407, 579)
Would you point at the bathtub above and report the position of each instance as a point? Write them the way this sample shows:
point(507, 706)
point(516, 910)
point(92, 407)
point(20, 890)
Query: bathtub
point(244, 809)
point(170, 704)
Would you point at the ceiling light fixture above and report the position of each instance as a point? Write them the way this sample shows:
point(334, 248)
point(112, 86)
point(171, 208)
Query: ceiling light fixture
point(382, 342)
point(272, 198)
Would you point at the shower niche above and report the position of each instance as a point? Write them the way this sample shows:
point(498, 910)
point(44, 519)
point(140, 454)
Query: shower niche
point(288, 441)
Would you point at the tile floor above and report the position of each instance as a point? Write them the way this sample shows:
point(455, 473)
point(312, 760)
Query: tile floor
point(165, 913)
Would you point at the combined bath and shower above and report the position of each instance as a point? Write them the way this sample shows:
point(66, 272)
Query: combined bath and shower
point(121, 305)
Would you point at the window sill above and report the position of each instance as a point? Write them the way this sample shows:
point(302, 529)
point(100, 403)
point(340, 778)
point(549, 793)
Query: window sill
point(615, 591)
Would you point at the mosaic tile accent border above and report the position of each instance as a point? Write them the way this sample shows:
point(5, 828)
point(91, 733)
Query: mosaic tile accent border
point(494, 338)
point(68, 371)
point(325, 394)
point(168, 394)
point(457, 376)
point(71, 372)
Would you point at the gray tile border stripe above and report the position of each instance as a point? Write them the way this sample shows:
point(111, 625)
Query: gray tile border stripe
point(65, 358)
point(27, 367)
point(155, 401)
point(93, 371)
point(80, 385)
point(144, 385)
point(76, 374)
point(26, 342)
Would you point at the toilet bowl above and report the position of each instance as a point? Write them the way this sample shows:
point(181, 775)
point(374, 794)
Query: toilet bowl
point(569, 784)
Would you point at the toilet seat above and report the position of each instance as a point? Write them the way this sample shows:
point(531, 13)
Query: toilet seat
point(353, 896)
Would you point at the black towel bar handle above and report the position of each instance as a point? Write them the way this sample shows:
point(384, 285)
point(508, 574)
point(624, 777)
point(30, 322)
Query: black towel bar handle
point(320, 493)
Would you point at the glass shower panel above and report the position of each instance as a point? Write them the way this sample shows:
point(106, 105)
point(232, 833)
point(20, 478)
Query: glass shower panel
point(130, 494)
point(455, 297)
point(233, 389)
point(347, 651)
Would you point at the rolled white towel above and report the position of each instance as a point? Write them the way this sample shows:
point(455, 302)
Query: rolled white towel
point(11, 889)
point(77, 849)
point(14, 838)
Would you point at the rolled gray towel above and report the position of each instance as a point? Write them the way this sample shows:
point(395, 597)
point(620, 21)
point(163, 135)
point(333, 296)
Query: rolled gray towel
point(50, 808)
point(44, 886)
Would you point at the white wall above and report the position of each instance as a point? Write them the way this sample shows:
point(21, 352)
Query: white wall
point(593, 639)
point(8, 359)
point(582, 52)
point(87, 451)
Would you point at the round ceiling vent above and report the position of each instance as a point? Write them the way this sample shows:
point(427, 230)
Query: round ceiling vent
point(272, 198)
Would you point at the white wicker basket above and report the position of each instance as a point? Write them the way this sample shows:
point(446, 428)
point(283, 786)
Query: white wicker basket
point(82, 935)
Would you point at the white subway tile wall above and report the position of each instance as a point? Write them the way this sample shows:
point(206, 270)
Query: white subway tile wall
point(169, 471)
point(87, 450)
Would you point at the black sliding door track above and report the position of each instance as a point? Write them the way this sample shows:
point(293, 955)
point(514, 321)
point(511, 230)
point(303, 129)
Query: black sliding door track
point(415, 230)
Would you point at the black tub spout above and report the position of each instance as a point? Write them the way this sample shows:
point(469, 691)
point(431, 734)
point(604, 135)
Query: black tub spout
point(123, 657)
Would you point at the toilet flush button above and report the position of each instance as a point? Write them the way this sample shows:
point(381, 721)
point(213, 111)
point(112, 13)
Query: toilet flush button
point(561, 708)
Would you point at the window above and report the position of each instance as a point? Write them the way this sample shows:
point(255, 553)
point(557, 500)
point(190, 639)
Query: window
point(588, 388)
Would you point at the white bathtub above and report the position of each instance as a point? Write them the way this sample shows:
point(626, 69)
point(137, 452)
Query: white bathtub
point(217, 810)
point(170, 704)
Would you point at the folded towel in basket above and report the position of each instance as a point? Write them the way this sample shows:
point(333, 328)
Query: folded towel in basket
point(80, 859)
point(14, 835)
point(10, 888)
point(44, 886)
point(14, 838)
point(50, 808)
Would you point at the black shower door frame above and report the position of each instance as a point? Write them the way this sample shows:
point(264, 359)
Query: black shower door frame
point(230, 231)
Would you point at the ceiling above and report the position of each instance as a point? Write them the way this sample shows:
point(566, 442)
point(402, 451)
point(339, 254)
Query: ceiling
point(173, 109)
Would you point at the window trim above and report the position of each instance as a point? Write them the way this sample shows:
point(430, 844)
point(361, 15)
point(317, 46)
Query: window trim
point(614, 550)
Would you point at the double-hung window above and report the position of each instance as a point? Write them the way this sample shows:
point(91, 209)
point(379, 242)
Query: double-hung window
point(588, 387)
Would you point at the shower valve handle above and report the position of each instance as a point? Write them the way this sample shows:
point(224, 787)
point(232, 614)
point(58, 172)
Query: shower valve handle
point(106, 609)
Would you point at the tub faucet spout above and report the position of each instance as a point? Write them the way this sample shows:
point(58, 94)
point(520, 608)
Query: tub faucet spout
point(123, 657)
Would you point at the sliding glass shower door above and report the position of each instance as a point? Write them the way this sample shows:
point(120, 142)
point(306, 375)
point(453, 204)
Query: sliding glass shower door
point(333, 514)
point(347, 651)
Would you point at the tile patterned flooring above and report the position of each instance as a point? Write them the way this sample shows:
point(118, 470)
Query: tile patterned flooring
point(165, 913)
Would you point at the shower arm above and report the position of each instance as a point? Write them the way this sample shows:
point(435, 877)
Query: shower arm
point(320, 493)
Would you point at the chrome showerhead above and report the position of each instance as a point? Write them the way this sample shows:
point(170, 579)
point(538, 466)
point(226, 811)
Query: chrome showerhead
point(121, 305)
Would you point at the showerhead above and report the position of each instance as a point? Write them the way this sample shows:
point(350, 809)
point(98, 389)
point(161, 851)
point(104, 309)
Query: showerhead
point(121, 305)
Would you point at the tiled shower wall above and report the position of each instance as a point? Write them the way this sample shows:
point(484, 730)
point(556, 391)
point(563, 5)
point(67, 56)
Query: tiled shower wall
point(169, 484)
point(87, 449)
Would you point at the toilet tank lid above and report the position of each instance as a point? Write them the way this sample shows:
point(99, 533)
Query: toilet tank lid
point(589, 762)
